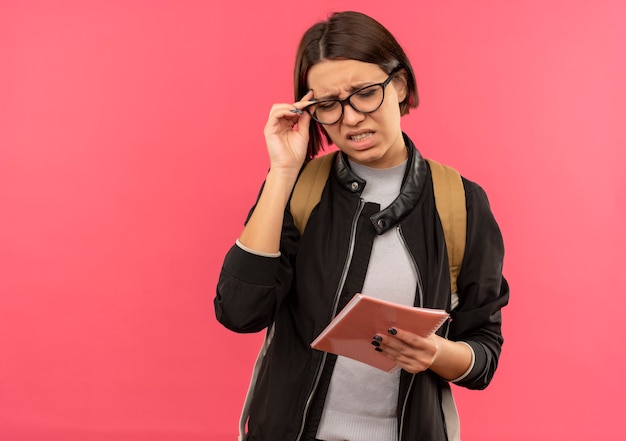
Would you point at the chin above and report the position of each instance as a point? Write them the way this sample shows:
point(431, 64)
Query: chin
point(367, 157)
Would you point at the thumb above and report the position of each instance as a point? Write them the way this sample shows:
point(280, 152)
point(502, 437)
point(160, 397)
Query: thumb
point(303, 124)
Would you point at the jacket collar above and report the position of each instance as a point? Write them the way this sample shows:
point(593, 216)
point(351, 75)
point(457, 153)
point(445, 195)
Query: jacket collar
point(410, 192)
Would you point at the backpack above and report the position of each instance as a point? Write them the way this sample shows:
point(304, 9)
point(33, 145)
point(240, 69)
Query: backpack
point(450, 203)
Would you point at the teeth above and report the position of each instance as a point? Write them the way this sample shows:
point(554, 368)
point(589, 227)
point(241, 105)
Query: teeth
point(360, 137)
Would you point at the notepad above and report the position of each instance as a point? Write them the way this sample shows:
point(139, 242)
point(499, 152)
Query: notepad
point(351, 332)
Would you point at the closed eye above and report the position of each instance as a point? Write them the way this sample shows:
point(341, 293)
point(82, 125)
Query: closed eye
point(326, 105)
point(367, 92)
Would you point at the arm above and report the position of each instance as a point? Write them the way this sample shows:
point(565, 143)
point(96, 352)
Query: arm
point(255, 276)
point(483, 291)
point(470, 355)
point(287, 149)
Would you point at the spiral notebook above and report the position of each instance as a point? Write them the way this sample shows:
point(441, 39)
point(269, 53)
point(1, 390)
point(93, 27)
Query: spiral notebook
point(351, 332)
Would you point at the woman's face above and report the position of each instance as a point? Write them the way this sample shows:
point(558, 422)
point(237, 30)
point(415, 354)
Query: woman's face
point(372, 139)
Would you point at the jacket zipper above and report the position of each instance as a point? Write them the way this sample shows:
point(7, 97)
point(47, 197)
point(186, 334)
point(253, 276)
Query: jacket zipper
point(342, 282)
point(420, 284)
point(420, 292)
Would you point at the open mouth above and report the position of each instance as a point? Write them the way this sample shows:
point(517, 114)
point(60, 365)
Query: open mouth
point(361, 136)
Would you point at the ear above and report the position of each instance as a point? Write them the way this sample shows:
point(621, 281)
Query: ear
point(400, 83)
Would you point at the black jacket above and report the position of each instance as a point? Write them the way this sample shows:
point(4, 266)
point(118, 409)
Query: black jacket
point(315, 276)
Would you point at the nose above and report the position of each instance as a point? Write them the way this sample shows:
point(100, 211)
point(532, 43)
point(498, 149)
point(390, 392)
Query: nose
point(351, 117)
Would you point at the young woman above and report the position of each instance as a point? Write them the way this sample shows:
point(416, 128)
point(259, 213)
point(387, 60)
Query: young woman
point(374, 231)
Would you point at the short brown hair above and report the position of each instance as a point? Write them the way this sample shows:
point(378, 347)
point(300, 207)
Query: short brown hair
point(355, 36)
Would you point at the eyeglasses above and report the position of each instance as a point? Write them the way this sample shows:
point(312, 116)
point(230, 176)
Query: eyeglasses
point(365, 100)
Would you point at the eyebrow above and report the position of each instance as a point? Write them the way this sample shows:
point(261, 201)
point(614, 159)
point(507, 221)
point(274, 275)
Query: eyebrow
point(350, 90)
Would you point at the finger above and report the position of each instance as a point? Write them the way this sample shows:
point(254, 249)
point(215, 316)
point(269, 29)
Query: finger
point(406, 357)
point(395, 338)
point(406, 337)
point(388, 346)
point(292, 111)
point(284, 110)
point(305, 101)
point(402, 342)
point(307, 96)
point(303, 123)
point(282, 114)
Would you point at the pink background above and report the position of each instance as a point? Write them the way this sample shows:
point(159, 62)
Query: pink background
point(131, 149)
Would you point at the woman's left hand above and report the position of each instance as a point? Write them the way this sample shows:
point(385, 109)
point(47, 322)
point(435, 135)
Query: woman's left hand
point(448, 359)
point(412, 352)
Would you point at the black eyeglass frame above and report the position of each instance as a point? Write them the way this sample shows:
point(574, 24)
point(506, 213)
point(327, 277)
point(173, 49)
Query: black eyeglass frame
point(346, 100)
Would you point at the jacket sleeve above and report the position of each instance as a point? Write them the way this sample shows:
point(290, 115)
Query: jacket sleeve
point(483, 291)
point(251, 287)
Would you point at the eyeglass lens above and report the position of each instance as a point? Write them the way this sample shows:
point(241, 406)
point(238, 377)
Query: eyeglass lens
point(365, 100)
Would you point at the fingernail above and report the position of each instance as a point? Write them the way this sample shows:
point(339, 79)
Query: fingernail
point(378, 338)
point(375, 343)
point(378, 349)
point(298, 111)
point(392, 331)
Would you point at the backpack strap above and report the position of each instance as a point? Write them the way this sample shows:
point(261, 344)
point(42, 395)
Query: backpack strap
point(308, 189)
point(450, 202)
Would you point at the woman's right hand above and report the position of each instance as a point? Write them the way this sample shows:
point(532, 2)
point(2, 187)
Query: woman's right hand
point(287, 135)
point(287, 138)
